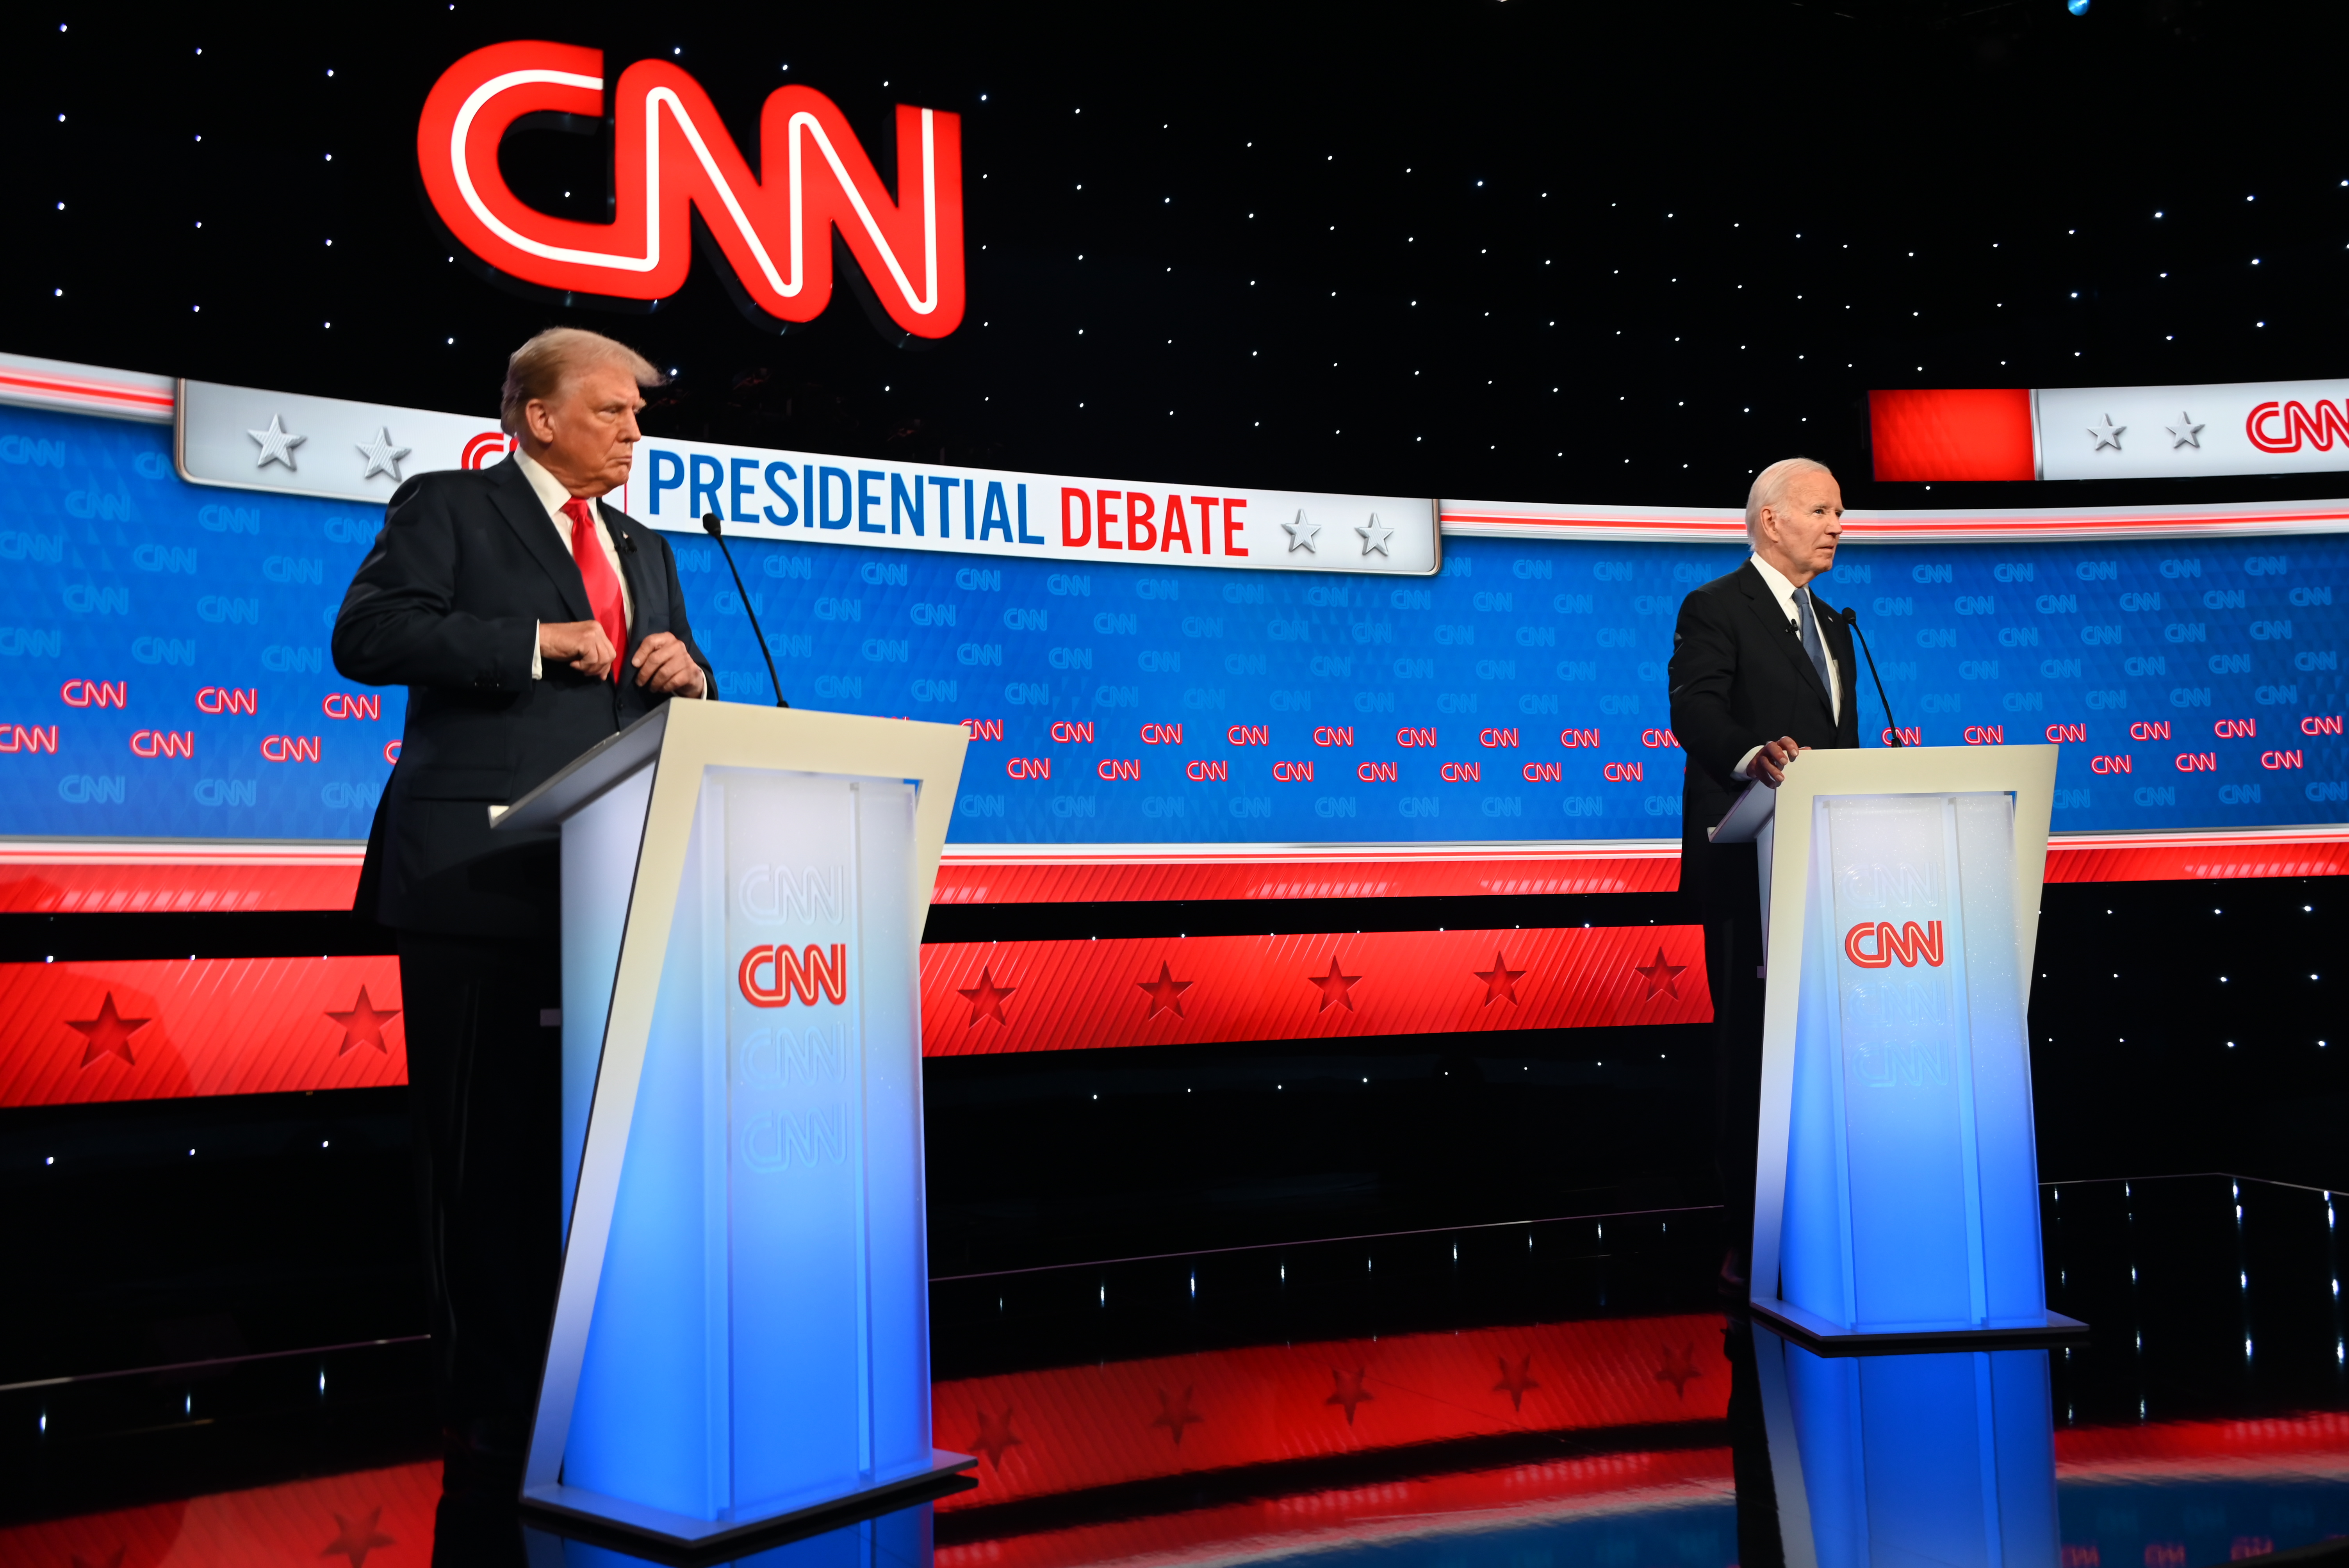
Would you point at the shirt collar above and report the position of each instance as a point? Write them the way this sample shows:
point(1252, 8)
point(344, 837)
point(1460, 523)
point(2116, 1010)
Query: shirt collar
point(1776, 580)
point(550, 490)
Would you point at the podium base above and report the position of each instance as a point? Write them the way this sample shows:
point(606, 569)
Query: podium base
point(1821, 1337)
point(689, 1539)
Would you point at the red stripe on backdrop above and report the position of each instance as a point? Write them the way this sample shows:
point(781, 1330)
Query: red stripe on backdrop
point(73, 1034)
point(125, 885)
point(2199, 857)
point(106, 883)
point(1969, 433)
point(1071, 1428)
point(974, 877)
point(985, 997)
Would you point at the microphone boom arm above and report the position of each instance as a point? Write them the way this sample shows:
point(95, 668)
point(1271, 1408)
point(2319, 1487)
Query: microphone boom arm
point(1891, 725)
point(717, 531)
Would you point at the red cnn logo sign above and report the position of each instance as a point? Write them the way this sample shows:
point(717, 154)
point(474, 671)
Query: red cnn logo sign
point(1908, 944)
point(672, 157)
point(809, 974)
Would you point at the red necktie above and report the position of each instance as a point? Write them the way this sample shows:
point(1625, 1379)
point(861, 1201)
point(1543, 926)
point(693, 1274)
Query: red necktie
point(603, 582)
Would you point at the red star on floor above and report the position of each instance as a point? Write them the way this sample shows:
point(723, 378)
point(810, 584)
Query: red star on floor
point(994, 1437)
point(358, 1537)
point(1350, 1391)
point(1679, 1367)
point(1500, 981)
point(1176, 1414)
point(1660, 975)
point(363, 1024)
point(985, 998)
point(109, 1033)
point(1165, 993)
point(1514, 1382)
point(1333, 987)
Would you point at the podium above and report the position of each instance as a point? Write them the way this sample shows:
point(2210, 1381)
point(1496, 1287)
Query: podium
point(1897, 1182)
point(741, 1334)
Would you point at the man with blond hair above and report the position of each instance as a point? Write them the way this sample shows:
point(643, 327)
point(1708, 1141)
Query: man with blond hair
point(528, 621)
point(1762, 671)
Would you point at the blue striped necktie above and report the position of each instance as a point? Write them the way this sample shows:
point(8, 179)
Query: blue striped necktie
point(1811, 643)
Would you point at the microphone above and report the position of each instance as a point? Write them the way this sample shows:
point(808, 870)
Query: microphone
point(717, 531)
point(1850, 617)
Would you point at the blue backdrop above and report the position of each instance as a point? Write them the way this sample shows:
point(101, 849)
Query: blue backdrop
point(165, 671)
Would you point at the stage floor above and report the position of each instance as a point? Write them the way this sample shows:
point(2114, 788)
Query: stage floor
point(1566, 1392)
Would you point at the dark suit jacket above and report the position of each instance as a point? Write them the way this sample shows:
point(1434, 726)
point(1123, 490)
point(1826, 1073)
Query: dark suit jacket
point(447, 604)
point(1739, 678)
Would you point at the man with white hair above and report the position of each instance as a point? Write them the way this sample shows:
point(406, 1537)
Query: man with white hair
point(528, 621)
point(1762, 671)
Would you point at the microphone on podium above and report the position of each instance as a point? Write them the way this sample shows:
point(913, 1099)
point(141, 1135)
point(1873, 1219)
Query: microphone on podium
point(717, 531)
point(1891, 725)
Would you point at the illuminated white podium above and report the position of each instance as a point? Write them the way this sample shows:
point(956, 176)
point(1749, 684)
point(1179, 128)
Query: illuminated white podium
point(742, 1330)
point(1897, 1181)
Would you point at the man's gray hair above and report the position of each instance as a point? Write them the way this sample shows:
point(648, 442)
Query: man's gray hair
point(539, 368)
point(1770, 488)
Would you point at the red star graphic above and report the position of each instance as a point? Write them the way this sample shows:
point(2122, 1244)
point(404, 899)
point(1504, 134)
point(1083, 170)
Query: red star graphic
point(1350, 1391)
point(994, 1437)
point(1679, 1367)
point(1333, 987)
point(1514, 1383)
point(358, 1537)
point(1500, 981)
point(1660, 975)
point(1176, 1414)
point(985, 998)
point(1165, 993)
point(109, 1033)
point(363, 1024)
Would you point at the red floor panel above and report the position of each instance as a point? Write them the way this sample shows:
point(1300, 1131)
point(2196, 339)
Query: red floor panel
point(1071, 1427)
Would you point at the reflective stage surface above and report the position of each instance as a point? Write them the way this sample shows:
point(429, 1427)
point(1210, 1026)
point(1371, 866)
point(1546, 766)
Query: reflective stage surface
point(1564, 1393)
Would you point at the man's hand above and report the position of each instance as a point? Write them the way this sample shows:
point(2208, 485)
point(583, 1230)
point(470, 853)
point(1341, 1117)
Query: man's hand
point(582, 645)
point(664, 666)
point(1769, 764)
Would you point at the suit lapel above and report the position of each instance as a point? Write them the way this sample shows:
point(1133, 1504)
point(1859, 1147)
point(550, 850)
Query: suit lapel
point(519, 504)
point(1766, 606)
point(1840, 644)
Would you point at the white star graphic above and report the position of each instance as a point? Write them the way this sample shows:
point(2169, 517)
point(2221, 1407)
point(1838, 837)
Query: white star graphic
point(1300, 535)
point(276, 445)
point(2107, 434)
point(2185, 433)
point(382, 456)
point(1375, 537)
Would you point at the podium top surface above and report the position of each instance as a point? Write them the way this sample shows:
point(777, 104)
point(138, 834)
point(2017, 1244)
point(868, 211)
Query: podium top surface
point(704, 734)
point(1887, 770)
point(586, 776)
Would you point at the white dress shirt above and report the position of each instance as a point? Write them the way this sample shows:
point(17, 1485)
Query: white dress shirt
point(551, 495)
point(1784, 592)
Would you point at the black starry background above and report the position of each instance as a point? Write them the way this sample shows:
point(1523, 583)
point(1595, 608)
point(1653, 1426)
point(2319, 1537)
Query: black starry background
point(1504, 251)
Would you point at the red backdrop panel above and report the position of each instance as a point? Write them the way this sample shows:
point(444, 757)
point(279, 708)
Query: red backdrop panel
point(1967, 433)
point(982, 997)
point(164, 1028)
